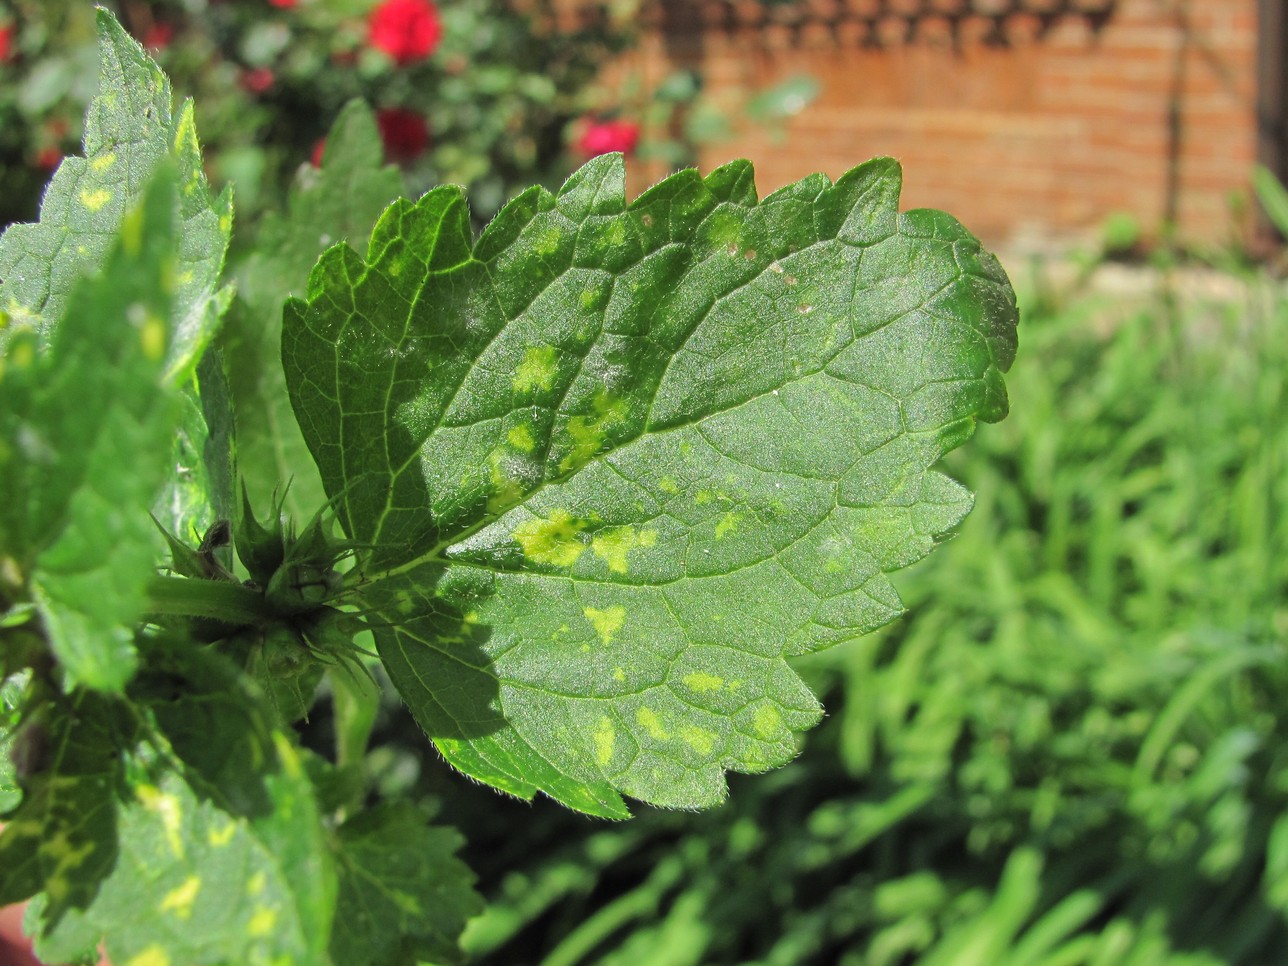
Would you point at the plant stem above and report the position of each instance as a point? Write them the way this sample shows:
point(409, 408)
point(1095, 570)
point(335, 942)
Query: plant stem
point(218, 599)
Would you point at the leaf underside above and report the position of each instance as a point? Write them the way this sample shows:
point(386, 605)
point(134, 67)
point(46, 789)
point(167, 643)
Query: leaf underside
point(617, 463)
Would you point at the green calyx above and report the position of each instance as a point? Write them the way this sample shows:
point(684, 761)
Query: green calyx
point(281, 619)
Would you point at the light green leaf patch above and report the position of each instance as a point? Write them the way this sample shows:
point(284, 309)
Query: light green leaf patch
point(620, 462)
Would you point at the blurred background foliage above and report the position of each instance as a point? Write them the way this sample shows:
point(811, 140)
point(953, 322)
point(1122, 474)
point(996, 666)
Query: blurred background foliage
point(1072, 750)
point(497, 96)
point(490, 104)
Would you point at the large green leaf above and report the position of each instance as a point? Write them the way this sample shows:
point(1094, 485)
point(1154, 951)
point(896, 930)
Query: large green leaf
point(340, 201)
point(85, 431)
point(618, 463)
point(129, 130)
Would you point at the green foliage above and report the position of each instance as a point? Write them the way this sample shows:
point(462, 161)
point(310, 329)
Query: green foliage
point(599, 473)
point(1069, 751)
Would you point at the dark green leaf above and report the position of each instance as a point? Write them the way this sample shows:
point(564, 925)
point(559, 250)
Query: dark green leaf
point(406, 896)
point(618, 464)
point(62, 838)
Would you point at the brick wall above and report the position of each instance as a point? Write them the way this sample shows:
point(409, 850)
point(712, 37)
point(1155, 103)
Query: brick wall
point(1029, 119)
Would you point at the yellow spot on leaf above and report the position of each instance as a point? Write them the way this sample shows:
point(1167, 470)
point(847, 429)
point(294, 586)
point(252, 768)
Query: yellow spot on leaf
point(589, 431)
point(520, 437)
point(605, 737)
point(96, 199)
point(699, 739)
point(767, 721)
point(553, 542)
point(607, 622)
point(152, 337)
point(154, 955)
point(262, 923)
point(667, 485)
point(613, 546)
point(179, 900)
point(505, 491)
point(537, 370)
point(701, 681)
point(703, 496)
point(651, 723)
point(619, 674)
point(728, 522)
point(256, 884)
point(166, 807)
point(102, 162)
point(219, 837)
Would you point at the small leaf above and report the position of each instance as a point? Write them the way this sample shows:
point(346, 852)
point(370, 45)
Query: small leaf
point(407, 895)
point(129, 129)
point(619, 463)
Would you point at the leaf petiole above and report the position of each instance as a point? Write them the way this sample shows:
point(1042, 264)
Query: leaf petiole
point(222, 600)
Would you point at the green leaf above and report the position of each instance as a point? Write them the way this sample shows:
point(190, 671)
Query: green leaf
point(10, 702)
point(223, 856)
point(619, 463)
point(191, 884)
point(339, 201)
point(406, 894)
point(62, 838)
point(85, 430)
point(129, 130)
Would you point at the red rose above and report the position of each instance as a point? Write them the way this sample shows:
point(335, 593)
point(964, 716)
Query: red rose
point(406, 30)
point(158, 36)
point(6, 43)
point(605, 137)
point(404, 133)
point(257, 80)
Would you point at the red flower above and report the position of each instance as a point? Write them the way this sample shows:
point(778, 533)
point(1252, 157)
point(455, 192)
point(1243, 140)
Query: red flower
point(404, 133)
point(318, 150)
point(604, 137)
point(158, 36)
point(49, 158)
point(6, 43)
point(284, 4)
point(257, 80)
point(406, 30)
